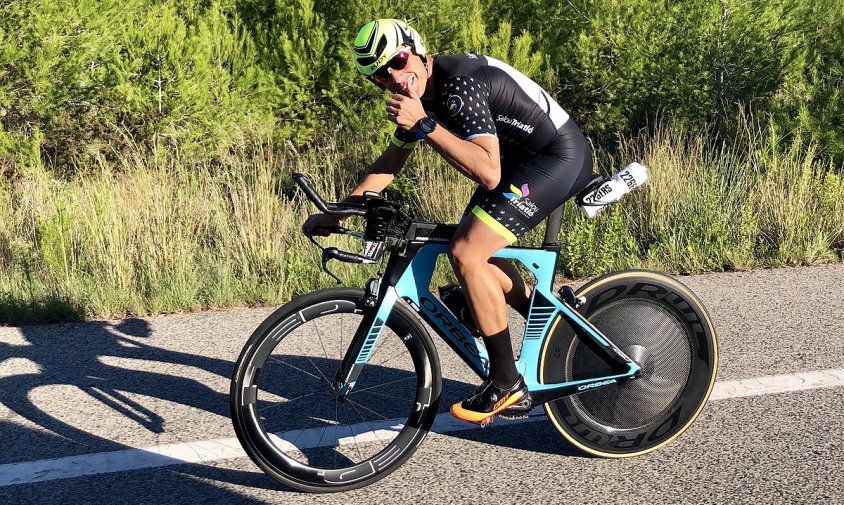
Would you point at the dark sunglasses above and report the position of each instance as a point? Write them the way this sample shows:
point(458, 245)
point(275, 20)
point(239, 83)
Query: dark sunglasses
point(397, 62)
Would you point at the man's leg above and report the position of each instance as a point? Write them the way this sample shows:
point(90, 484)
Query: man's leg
point(505, 392)
point(470, 251)
point(516, 292)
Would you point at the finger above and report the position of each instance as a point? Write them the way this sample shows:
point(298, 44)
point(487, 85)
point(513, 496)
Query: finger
point(411, 92)
point(398, 97)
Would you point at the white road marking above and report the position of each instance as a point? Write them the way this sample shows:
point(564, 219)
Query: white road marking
point(773, 384)
point(206, 451)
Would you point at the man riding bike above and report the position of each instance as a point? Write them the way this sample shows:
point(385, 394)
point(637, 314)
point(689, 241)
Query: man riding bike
point(504, 132)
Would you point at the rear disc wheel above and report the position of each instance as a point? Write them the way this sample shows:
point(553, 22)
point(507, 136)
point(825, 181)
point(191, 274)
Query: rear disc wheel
point(661, 325)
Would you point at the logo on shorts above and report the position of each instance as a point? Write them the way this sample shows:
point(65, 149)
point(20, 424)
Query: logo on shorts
point(454, 104)
point(518, 193)
point(518, 199)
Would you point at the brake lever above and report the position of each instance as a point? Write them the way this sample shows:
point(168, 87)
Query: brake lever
point(325, 269)
point(334, 253)
point(339, 230)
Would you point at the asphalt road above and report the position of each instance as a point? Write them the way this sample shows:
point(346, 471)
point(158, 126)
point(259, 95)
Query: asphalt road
point(100, 387)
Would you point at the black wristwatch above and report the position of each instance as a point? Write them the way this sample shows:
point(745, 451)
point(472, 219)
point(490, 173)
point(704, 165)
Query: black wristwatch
point(426, 125)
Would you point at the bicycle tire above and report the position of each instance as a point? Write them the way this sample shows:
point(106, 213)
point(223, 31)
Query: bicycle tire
point(264, 374)
point(661, 325)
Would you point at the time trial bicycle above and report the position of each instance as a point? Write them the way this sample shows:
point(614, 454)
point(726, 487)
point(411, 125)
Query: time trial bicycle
point(338, 388)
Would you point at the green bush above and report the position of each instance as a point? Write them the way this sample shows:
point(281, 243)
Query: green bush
point(88, 79)
point(146, 145)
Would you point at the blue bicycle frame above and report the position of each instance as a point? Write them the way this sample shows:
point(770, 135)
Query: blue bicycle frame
point(408, 277)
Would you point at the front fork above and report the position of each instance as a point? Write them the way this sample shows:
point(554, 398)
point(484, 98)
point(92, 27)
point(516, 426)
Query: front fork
point(366, 336)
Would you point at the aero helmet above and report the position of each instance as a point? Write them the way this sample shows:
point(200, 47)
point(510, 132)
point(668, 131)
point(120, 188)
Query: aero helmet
point(378, 40)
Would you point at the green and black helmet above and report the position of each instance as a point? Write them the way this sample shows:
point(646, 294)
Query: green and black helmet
point(378, 40)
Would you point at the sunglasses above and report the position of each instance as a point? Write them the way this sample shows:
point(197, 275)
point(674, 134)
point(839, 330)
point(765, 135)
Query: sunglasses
point(397, 62)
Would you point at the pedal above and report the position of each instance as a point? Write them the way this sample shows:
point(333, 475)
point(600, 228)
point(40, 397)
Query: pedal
point(568, 296)
point(518, 410)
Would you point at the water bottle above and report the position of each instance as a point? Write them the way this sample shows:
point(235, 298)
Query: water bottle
point(628, 178)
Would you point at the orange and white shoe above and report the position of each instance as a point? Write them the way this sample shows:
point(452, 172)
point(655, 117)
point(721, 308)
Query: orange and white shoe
point(488, 401)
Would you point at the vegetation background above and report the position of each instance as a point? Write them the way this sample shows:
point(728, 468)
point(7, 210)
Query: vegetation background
point(146, 146)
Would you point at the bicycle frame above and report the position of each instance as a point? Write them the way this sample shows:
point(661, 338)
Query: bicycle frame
point(408, 277)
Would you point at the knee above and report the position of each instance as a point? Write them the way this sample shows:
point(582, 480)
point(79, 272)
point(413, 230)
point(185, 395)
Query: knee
point(462, 256)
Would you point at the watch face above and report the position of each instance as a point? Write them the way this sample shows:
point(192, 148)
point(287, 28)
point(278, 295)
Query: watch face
point(428, 124)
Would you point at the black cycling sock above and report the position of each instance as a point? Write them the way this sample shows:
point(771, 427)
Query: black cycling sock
point(502, 368)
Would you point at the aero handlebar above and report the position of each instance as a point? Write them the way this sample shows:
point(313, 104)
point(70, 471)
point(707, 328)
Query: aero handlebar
point(340, 209)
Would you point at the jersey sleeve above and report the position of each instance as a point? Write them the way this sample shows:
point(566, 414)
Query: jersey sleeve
point(467, 101)
point(404, 139)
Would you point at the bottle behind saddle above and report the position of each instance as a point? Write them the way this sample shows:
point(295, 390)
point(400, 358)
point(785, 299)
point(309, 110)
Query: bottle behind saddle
point(611, 190)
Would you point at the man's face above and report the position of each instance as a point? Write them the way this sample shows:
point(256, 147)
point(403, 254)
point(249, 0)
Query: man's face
point(403, 70)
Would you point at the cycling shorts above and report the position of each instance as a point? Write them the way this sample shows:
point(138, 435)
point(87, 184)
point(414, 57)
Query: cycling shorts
point(529, 192)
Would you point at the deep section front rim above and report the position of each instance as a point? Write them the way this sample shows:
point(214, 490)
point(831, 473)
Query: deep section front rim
point(288, 416)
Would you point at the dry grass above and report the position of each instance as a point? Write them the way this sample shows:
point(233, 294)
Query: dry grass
point(152, 234)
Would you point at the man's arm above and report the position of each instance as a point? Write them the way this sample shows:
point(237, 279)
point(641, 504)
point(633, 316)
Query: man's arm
point(378, 176)
point(478, 158)
point(381, 173)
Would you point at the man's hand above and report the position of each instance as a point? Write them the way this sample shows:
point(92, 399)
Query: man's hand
point(316, 224)
point(405, 111)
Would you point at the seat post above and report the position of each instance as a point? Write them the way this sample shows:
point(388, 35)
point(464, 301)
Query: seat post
point(552, 229)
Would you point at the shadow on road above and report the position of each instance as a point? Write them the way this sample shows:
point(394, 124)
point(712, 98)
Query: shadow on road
point(72, 355)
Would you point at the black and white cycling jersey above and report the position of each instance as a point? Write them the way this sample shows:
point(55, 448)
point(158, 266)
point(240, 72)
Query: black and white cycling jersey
point(480, 95)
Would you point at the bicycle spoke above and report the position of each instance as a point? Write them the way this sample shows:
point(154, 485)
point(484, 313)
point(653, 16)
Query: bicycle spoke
point(322, 343)
point(369, 424)
point(379, 394)
point(380, 344)
point(276, 404)
point(355, 438)
point(394, 356)
point(324, 430)
point(366, 408)
point(336, 422)
point(320, 372)
point(340, 350)
point(385, 384)
point(280, 362)
point(309, 423)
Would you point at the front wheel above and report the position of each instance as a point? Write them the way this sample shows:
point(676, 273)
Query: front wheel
point(287, 413)
point(660, 324)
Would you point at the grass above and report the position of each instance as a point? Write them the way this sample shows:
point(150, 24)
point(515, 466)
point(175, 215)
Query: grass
point(152, 233)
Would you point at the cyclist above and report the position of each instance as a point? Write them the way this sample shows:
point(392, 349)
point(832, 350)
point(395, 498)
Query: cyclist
point(504, 132)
